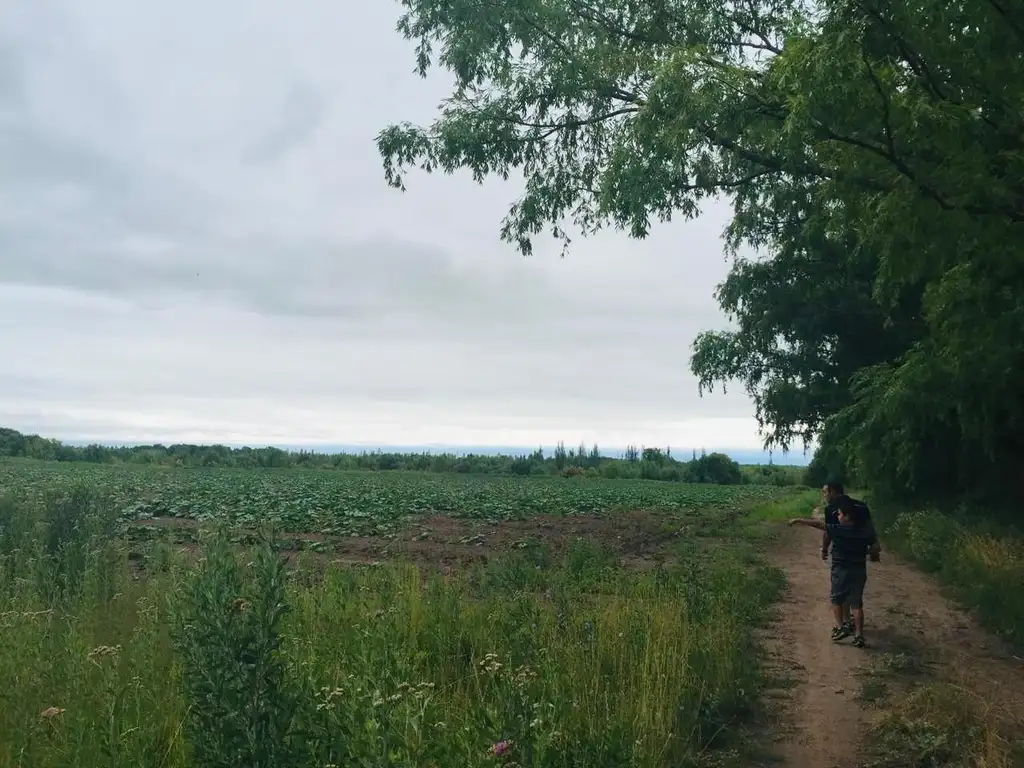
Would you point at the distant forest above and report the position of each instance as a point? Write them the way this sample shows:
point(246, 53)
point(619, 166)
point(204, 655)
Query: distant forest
point(635, 463)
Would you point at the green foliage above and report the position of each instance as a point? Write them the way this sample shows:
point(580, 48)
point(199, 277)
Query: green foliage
point(828, 464)
point(361, 503)
point(787, 507)
point(657, 464)
point(227, 634)
point(807, 323)
point(614, 111)
point(54, 534)
point(873, 159)
point(931, 538)
point(574, 660)
point(716, 468)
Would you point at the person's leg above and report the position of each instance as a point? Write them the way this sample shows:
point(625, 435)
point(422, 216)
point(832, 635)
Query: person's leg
point(858, 579)
point(838, 597)
point(858, 621)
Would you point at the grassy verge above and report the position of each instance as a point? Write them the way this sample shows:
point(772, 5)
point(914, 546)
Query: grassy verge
point(981, 563)
point(923, 717)
point(525, 660)
point(798, 504)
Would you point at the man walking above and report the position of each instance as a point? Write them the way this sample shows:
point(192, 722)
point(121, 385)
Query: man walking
point(833, 494)
point(852, 538)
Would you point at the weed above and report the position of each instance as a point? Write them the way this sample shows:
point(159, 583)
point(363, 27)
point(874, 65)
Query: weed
point(227, 634)
point(940, 724)
point(873, 690)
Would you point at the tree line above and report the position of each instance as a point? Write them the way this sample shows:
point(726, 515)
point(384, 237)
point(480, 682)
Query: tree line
point(635, 463)
point(873, 155)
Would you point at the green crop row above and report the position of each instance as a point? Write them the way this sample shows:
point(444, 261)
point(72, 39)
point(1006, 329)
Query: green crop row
point(363, 503)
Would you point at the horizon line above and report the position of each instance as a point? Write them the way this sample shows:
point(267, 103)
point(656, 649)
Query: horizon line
point(796, 458)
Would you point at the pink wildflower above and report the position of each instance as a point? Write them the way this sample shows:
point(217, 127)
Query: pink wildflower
point(501, 748)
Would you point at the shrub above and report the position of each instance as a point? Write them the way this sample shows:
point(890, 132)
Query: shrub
point(227, 635)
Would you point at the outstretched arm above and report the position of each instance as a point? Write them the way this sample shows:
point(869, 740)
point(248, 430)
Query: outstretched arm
point(826, 540)
point(810, 522)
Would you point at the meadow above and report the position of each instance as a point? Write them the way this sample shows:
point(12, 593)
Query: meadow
point(173, 617)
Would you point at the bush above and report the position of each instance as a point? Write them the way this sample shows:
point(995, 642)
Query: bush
point(931, 538)
point(227, 634)
point(716, 468)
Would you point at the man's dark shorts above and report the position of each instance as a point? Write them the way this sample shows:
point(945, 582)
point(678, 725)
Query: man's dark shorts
point(848, 585)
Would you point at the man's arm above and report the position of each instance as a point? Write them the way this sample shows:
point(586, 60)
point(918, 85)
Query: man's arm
point(810, 522)
point(874, 547)
point(826, 540)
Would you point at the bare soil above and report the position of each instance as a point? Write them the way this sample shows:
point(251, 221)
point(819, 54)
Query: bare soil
point(640, 539)
point(825, 720)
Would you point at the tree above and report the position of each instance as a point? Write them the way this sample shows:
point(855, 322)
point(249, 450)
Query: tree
point(561, 457)
point(867, 135)
point(654, 456)
point(807, 322)
point(584, 99)
point(716, 468)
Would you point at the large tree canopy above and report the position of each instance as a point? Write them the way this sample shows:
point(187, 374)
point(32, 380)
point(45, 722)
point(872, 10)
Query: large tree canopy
point(873, 151)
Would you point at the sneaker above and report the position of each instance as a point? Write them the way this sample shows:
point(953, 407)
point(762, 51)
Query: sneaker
point(858, 641)
point(838, 633)
point(848, 626)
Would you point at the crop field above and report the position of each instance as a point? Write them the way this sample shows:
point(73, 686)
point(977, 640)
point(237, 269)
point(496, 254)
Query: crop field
point(153, 616)
point(362, 503)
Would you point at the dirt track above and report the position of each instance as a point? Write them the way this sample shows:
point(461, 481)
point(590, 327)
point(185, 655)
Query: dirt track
point(904, 609)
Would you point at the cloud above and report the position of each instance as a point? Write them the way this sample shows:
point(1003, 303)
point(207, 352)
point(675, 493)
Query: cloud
point(298, 117)
point(196, 239)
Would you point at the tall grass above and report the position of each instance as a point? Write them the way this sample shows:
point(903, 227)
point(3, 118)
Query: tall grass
point(86, 673)
point(603, 669)
point(983, 564)
point(941, 723)
point(231, 659)
point(797, 504)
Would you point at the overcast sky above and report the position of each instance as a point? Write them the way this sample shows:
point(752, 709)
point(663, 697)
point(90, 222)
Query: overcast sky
point(197, 243)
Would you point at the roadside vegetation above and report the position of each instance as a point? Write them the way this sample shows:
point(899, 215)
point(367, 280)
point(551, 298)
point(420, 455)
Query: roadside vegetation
point(191, 626)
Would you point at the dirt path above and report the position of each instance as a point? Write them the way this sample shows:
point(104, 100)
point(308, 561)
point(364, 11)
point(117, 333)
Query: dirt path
point(904, 610)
